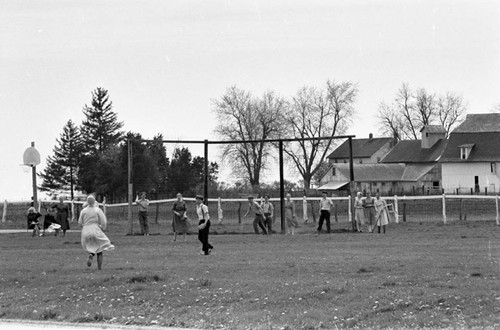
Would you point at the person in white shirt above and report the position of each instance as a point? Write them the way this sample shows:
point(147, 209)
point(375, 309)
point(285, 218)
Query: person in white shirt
point(143, 213)
point(94, 241)
point(268, 210)
point(259, 219)
point(325, 205)
point(203, 225)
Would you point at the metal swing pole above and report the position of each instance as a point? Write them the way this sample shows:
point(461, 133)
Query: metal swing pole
point(130, 187)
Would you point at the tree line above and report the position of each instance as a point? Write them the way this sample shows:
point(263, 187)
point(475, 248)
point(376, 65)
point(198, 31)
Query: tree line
point(92, 157)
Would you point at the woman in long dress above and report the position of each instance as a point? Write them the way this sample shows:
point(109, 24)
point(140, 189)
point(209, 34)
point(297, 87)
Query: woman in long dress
point(359, 212)
point(290, 215)
point(63, 213)
point(381, 217)
point(180, 224)
point(94, 241)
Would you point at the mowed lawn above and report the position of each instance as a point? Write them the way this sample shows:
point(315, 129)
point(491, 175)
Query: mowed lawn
point(416, 275)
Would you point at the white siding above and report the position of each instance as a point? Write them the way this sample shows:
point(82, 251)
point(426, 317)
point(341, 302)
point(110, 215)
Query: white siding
point(461, 176)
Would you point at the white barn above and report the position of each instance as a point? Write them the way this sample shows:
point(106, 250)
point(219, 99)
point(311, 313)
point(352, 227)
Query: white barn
point(471, 159)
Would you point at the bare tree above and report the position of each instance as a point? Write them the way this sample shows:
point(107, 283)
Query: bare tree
point(451, 111)
point(410, 111)
point(243, 117)
point(391, 123)
point(405, 107)
point(318, 113)
point(425, 107)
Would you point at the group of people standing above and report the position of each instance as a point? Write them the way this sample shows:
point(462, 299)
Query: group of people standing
point(264, 215)
point(56, 218)
point(180, 223)
point(372, 211)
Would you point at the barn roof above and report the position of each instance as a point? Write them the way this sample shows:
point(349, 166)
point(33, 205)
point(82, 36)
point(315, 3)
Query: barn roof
point(411, 151)
point(361, 148)
point(434, 129)
point(373, 172)
point(485, 147)
point(480, 122)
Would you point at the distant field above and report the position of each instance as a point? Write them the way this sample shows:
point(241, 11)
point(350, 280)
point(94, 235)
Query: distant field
point(417, 275)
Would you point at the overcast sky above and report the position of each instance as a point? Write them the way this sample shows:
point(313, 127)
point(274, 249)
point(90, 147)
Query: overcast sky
point(164, 61)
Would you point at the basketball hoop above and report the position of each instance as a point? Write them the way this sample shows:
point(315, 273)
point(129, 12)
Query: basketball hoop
point(26, 168)
point(31, 156)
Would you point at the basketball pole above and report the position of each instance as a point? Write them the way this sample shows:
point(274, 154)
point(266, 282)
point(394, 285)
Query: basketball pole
point(205, 172)
point(351, 184)
point(130, 187)
point(33, 174)
point(282, 187)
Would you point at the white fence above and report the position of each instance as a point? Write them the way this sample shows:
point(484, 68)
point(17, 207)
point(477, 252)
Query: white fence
point(436, 208)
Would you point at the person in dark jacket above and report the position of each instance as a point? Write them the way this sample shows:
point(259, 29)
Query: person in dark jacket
point(33, 223)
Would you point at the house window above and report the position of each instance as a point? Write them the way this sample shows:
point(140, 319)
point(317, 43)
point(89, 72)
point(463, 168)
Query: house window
point(465, 150)
point(334, 171)
point(493, 168)
point(383, 184)
point(463, 153)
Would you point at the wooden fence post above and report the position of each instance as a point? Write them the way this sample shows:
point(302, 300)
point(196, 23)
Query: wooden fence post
point(312, 211)
point(349, 211)
point(104, 206)
point(4, 213)
point(220, 213)
point(444, 208)
point(396, 209)
point(404, 211)
point(73, 217)
point(157, 212)
point(239, 211)
point(304, 208)
point(498, 214)
point(460, 202)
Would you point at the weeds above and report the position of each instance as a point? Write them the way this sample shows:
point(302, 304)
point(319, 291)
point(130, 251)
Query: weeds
point(48, 314)
point(204, 282)
point(144, 279)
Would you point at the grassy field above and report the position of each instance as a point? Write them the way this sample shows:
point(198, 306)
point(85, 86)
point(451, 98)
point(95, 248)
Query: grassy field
point(415, 276)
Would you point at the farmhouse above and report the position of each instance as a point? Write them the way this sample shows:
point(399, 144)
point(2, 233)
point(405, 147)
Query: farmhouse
point(409, 167)
point(420, 158)
point(470, 161)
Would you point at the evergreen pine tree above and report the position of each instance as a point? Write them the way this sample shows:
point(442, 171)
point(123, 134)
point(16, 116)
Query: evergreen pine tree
point(100, 132)
point(62, 167)
point(101, 128)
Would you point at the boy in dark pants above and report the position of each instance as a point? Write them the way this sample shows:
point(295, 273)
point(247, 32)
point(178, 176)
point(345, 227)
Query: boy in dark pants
point(253, 206)
point(325, 205)
point(203, 225)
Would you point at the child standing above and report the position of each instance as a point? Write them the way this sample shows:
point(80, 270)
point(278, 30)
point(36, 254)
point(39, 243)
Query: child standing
point(143, 213)
point(253, 206)
point(203, 225)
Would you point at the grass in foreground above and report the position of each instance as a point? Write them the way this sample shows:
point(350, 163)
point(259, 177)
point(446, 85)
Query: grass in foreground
point(429, 275)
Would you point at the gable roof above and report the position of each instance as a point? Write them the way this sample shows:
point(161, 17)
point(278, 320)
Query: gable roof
point(373, 172)
point(434, 129)
point(411, 151)
point(361, 148)
point(486, 147)
point(480, 122)
point(414, 172)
